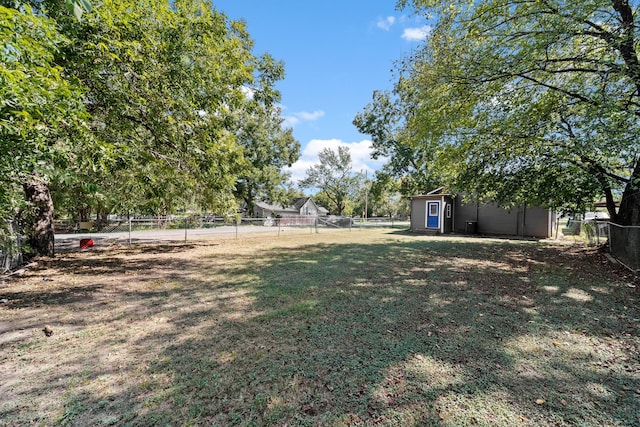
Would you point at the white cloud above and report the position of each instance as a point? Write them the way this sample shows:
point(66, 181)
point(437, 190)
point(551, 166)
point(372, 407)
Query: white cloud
point(293, 119)
point(386, 23)
point(416, 34)
point(248, 92)
point(360, 156)
point(310, 116)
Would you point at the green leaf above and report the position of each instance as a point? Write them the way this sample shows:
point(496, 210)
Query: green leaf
point(77, 11)
point(86, 4)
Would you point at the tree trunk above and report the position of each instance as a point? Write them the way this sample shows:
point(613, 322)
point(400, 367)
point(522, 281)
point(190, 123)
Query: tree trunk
point(608, 194)
point(629, 211)
point(42, 237)
point(250, 206)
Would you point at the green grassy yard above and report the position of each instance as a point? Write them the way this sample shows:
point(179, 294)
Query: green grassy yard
point(368, 327)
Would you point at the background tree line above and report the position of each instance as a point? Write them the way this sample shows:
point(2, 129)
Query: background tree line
point(346, 192)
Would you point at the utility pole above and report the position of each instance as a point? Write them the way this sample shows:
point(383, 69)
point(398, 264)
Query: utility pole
point(366, 195)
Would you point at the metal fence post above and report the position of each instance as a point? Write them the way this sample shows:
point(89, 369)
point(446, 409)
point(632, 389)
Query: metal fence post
point(185, 226)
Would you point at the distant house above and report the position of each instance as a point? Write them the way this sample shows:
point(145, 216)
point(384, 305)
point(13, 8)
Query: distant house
point(305, 206)
point(302, 206)
point(439, 212)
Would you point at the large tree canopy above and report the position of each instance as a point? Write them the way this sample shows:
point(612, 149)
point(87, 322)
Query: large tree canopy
point(41, 119)
point(163, 80)
point(529, 101)
point(145, 106)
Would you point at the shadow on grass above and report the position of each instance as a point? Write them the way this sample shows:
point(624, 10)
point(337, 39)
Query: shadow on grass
point(416, 333)
point(425, 332)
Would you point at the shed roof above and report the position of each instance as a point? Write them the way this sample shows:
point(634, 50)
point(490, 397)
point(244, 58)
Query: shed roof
point(276, 208)
point(300, 201)
point(437, 192)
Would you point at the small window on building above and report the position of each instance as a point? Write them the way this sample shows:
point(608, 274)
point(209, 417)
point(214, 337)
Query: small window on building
point(433, 209)
point(448, 210)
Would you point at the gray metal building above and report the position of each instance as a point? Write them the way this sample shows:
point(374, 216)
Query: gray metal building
point(438, 212)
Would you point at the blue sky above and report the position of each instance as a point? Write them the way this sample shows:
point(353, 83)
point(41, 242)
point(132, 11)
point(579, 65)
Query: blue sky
point(336, 53)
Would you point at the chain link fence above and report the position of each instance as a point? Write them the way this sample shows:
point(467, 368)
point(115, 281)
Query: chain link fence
point(624, 244)
point(120, 223)
point(595, 232)
point(150, 229)
point(11, 244)
point(623, 241)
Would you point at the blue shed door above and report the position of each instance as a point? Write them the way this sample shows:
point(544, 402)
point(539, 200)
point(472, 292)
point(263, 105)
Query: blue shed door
point(433, 214)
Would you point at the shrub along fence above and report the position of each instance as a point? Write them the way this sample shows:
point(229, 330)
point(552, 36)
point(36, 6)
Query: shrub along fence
point(595, 232)
point(624, 244)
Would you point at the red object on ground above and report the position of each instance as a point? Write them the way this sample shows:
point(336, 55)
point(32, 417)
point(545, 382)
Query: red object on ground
point(86, 243)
